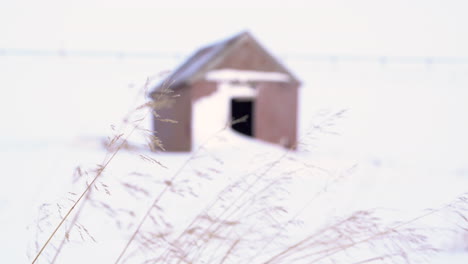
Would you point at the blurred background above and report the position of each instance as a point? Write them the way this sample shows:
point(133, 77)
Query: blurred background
point(68, 68)
point(71, 69)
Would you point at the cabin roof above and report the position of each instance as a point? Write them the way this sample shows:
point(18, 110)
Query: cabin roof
point(207, 58)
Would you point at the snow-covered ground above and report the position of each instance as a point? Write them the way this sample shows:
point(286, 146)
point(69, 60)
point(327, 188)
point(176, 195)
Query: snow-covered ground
point(400, 146)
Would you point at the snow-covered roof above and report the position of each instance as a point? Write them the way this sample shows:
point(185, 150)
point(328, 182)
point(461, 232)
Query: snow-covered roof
point(209, 57)
point(233, 75)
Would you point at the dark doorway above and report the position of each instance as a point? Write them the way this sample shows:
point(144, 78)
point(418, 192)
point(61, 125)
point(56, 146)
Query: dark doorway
point(241, 107)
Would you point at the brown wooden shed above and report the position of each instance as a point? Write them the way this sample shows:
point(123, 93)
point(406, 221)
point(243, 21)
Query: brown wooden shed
point(271, 112)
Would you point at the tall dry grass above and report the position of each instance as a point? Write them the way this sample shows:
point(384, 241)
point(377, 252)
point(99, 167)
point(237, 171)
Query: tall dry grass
point(247, 221)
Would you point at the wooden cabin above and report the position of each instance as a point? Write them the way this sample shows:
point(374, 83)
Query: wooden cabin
point(270, 108)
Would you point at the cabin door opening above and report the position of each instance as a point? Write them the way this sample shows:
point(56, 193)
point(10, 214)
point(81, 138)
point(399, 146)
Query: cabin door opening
point(240, 108)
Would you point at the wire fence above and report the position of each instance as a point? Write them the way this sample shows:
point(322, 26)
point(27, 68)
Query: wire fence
point(306, 57)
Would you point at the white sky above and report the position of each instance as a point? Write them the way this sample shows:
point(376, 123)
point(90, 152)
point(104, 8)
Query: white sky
point(337, 26)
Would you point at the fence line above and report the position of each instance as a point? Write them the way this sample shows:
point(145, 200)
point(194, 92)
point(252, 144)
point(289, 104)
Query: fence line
point(332, 58)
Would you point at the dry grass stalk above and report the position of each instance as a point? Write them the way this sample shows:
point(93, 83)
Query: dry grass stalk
point(211, 231)
point(120, 140)
point(246, 221)
point(155, 202)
